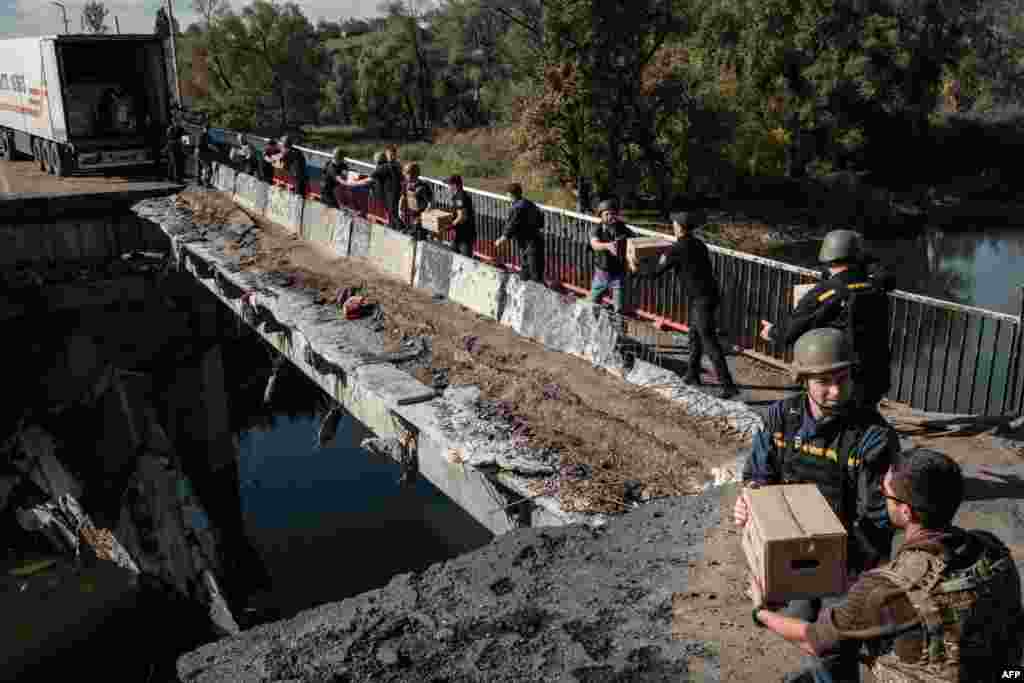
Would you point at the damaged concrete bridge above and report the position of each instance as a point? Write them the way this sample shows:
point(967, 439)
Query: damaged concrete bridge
point(521, 404)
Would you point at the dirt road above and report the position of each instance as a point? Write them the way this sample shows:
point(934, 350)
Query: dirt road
point(25, 176)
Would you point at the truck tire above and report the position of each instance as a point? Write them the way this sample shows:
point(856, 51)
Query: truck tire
point(39, 152)
point(60, 161)
point(6, 145)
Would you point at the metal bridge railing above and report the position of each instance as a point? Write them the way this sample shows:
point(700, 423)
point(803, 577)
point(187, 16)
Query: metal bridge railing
point(947, 357)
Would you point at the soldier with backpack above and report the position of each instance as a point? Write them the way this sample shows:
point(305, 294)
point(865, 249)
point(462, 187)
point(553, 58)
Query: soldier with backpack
point(850, 300)
point(946, 609)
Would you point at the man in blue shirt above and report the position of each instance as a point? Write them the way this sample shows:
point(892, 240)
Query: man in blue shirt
point(825, 436)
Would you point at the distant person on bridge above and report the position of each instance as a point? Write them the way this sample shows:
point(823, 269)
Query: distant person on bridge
point(850, 300)
point(270, 154)
point(608, 243)
point(175, 152)
point(691, 262)
point(204, 158)
point(294, 162)
point(824, 436)
point(417, 197)
point(381, 182)
point(947, 608)
point(335, 171)
point(397, 184)
point(464, 222)
point(245, 157)
point(525, 225)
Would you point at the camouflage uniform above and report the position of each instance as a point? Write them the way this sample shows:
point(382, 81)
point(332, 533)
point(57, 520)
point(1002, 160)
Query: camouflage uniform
point(964, 589)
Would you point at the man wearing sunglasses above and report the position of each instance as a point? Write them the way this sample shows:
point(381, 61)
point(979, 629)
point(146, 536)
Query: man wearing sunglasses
point(947, 608)
point(825, 436)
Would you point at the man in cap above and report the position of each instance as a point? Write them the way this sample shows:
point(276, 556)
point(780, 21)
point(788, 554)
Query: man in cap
point(380, 181)
point(608, 243)
point(947, 608)
point(464, 222)
point(825, 437)
point(525, 225)
point(690, 260)
point(417, 196)
point(294, 162)
point(849, 300)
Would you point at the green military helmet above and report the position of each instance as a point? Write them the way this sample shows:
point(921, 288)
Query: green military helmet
point(610, 204)
point(840, 245)
point(825, 349)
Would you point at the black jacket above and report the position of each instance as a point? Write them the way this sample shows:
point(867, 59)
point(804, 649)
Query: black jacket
point(692, 262)
point(825, 305)
point(525, 223)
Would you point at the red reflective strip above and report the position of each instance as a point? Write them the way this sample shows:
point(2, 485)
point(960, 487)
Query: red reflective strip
point(37, 91)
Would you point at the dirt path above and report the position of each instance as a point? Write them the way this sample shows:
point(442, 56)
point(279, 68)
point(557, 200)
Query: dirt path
point(587, 416)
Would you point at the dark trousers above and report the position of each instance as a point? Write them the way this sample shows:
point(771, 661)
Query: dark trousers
point(464, 245)
point(175, 164)
point(531, 258)
point(704, 336)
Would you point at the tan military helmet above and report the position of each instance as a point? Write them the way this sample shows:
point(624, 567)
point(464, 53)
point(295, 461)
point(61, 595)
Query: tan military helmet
point(816, 352)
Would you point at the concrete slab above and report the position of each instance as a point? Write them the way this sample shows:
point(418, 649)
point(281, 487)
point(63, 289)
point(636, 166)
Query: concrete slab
point(342, 234)
point(285, 209)
point(224, 177)
point(563, 323)
point(393, 253)
point(318, 222)
point(477, 286)
point(360, 232)
point(433, 268)
point(251, 193)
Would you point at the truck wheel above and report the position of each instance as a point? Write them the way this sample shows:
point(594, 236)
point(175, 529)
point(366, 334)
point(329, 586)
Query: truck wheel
point(39, 152)
point(60, 167)
point(6, 145)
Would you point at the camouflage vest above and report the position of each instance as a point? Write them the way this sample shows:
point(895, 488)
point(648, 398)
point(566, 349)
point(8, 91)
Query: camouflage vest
point(970, 618)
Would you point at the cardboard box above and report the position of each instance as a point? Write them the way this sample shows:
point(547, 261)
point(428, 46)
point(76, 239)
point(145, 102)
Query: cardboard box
point(794, 543)
point(437, 221)
point(800, 290)
point(643, 253)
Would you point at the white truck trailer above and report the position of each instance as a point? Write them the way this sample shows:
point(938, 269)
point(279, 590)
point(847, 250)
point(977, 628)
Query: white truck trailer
point(84, 102)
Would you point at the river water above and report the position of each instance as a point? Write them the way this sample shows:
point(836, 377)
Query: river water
point(327, 522)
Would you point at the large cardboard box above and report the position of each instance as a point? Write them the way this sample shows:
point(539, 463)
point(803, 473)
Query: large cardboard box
point(800, 290)
point(642, 253)
point(436, 220)
point(794, 543)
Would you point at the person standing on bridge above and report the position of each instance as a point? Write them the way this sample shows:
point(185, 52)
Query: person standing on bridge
point(608, 243)
point(381, 183)
point(270, 154)
point(691, 262)
point(204, 158)
point(464, 223)
point(417, 196)
point(947, 608)
point(848, 300)
point(823, 436)
point(397, 185)
point(175, 152)
point(525, 224)
point(294, 162)
point(335, 171)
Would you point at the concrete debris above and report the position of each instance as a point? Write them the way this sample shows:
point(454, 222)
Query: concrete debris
point(69, 529)
point(491, 433)
point(40, 464)
point(670, 385)
point(166, 529)
point(389, 448)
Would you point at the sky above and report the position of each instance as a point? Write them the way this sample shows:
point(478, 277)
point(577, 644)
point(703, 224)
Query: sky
point(23, 18)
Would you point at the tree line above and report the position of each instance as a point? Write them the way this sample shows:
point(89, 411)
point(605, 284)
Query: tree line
point(651, 98)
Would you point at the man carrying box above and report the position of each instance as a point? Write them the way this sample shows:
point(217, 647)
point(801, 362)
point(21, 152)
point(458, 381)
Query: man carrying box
point(825, 437)
point(947, 608)
point(690, 260)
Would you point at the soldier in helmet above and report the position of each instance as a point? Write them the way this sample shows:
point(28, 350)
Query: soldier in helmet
point(826, 437)
point(608, 242)
point(850, 300)
point(947, 608)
